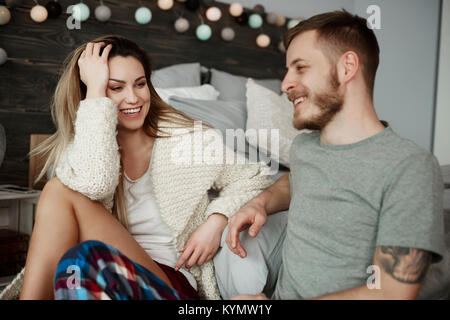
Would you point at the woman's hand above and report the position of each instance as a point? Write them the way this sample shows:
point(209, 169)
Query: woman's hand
point(94, 71)
point(203, 243)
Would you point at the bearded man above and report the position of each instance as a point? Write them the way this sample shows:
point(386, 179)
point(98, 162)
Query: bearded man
point(365, 205)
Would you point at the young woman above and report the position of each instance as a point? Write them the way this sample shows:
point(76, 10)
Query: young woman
point(119, 198)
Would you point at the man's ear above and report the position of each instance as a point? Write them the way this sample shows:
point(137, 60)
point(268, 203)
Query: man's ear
point(348, 66)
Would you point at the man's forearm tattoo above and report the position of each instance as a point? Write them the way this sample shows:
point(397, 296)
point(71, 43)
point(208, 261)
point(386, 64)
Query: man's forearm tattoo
point(407, 265)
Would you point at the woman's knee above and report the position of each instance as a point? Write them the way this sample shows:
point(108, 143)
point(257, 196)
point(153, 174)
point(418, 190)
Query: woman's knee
point(57, 195)
point(55, 190)
point(54, 198)
point(54, 184)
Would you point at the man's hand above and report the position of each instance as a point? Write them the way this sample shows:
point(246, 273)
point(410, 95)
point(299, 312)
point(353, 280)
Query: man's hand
point(203, 243)
point(252, 215)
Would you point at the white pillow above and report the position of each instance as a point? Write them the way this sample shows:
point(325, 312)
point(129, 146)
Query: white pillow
point(268, 110)
point(204, 92)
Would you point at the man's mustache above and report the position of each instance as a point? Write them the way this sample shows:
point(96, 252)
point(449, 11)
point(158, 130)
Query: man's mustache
point(296, 94)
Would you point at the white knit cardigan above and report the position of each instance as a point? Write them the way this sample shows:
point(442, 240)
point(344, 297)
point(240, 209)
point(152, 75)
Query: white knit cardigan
point(91, 165)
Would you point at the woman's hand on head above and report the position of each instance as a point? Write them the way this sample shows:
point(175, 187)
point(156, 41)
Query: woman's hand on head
point(94, 71)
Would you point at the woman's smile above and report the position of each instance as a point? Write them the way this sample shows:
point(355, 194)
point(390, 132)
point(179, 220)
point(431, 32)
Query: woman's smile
point(134, 112)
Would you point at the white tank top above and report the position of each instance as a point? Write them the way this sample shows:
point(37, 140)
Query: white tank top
point(146, 224)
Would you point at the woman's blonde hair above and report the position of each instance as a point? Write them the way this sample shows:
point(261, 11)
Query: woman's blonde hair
point(70, 90)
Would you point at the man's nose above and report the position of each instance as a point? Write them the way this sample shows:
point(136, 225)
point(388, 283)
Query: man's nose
point(288, 83)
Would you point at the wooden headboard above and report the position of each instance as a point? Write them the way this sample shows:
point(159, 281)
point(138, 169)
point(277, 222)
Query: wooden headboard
point(36, 53)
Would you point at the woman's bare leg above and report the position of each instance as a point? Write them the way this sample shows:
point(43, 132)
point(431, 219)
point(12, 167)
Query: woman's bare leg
point(63, 219)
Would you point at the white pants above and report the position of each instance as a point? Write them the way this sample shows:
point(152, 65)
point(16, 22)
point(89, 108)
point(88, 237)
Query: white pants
point(258, 271)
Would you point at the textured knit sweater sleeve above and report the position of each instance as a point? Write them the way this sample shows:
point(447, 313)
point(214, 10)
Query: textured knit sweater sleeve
point(91, 162)
point(237, 184)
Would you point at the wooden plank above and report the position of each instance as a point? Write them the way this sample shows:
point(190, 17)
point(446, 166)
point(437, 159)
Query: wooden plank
point(52, 40)
point(18, 128)
point(27, 86)
point(37, 52)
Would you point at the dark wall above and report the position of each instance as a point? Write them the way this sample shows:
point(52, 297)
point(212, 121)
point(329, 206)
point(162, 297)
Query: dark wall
point(36, 52)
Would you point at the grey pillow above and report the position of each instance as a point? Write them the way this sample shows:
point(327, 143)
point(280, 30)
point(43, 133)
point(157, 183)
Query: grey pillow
point(178, 75)
point(222, 115)
point(233, 87)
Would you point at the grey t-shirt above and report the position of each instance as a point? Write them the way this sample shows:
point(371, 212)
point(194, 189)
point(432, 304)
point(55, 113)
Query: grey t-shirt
point(348, 199)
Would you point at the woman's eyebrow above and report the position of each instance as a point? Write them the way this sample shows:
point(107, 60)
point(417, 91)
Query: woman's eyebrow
point(124, 81)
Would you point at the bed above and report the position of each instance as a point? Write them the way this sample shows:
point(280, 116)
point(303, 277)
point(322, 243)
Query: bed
point(231, 102)
point(230, 85)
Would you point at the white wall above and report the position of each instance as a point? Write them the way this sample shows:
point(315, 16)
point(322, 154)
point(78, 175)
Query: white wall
point(442, 122)
point(406, 79)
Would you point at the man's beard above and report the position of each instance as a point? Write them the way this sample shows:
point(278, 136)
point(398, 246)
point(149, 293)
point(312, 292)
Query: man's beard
point(329, 104)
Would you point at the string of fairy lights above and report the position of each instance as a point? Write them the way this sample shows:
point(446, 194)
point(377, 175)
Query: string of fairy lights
point(81, 12)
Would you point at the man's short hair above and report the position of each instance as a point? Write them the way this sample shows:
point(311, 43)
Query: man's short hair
point(339, 32)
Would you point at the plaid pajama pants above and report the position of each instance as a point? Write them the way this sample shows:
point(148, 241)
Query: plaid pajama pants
point(93, 270)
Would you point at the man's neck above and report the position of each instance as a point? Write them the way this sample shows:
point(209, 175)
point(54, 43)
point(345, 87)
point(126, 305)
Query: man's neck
point(355, 122)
